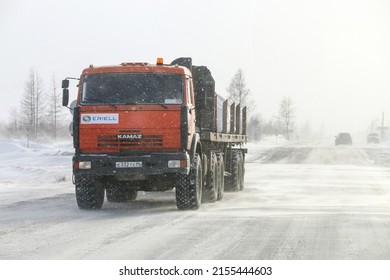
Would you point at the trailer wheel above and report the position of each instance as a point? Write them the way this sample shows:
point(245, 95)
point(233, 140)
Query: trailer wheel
point(221, 174)
point(89, 194)
point(210, 190)
point(189, 188)
point(233, 182)
point(242, 171)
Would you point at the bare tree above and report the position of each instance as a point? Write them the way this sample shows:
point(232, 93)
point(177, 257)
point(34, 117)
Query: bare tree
point(54, 108)
point(32, 104)
point(286, 116)
point(13, 124)
point(237, 89)
point(255, 127)
point(28, 105)
point(39, 104)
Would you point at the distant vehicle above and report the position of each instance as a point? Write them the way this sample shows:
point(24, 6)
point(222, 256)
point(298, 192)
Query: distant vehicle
point(343, 138)
point(373, 138)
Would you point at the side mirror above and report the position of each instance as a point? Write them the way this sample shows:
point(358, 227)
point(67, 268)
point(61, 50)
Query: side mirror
point(65, 97)
point(65, 83)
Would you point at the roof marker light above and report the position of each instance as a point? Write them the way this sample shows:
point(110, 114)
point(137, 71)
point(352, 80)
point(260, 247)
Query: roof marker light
point(160, 61)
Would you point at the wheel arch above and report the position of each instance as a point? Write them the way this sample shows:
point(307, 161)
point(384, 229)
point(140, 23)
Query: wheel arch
point(196, 146)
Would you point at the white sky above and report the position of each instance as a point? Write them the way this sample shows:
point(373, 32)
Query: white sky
point(331, 57)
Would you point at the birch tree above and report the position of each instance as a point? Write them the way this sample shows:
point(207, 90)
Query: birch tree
point(237, 89)
point(286, 116)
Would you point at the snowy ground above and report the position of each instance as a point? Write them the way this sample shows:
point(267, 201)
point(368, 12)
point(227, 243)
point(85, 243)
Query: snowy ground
point(301, 201)
point(43, 170)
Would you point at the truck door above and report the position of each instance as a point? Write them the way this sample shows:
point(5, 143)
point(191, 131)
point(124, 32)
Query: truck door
point(191, 109)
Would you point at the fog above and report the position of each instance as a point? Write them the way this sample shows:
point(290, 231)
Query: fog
point(331, 57)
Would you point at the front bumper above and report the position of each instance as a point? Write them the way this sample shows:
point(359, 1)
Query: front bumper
point(135, 165)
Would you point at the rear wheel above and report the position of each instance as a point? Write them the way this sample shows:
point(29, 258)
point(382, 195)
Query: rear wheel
point(242, 171)
point(233, 182)
point(221, 174)
point(189, 188)
point(210, 190)
point(89, 193)
point(132, 195)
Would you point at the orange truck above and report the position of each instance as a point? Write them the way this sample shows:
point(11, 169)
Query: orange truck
point(154, 127)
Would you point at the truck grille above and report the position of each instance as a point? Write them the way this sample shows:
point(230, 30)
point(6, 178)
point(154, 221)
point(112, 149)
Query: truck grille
point(115, 141)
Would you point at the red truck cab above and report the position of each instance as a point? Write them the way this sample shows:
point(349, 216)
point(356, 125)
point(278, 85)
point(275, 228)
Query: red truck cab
point(133, 107)
point(133, 123)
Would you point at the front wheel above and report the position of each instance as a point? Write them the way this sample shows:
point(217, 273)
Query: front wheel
point(89, 194)
point(189, 188)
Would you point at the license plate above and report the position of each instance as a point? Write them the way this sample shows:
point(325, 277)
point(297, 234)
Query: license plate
point(129, 164)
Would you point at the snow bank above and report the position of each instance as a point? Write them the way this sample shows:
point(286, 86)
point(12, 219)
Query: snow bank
point(337, 155)
point(256, 150)
point(39, 171)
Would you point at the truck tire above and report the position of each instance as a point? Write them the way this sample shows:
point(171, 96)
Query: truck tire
point(132, 195)
point(221, 175)
point(242, 171)
point(233, 182)
point(89, 194)
point(120, 194)
point(210, 190)
point(189, 188)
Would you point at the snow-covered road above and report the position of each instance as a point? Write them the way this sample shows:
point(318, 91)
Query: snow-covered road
point(299, 202)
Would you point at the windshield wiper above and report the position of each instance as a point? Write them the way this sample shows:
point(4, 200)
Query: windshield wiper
point(101, 102)
point(142, 103)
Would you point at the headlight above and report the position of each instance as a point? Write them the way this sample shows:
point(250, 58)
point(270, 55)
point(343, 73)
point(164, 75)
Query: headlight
point(84, 165)
point(174, 163)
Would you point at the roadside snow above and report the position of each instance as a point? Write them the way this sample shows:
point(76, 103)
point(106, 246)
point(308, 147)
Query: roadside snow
point(42, 170)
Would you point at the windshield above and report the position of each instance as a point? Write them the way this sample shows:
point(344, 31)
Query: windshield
point(345, 135)
point(132, 88)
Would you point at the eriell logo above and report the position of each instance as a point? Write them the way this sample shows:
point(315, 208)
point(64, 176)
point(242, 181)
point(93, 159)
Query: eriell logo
point(86, 118)
point(100, 118)
point(104, 118)
point(129, 136)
